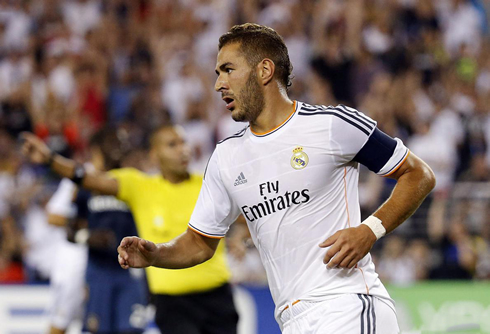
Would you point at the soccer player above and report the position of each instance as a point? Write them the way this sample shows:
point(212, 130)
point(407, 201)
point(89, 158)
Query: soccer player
point(293, 174)
point(191, 301)
point(116, 298)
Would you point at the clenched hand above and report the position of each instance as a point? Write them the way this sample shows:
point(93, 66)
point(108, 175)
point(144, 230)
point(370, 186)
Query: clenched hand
point(135, 252)
point(34, 148)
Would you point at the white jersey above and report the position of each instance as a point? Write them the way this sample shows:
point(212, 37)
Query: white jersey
point(296, 185)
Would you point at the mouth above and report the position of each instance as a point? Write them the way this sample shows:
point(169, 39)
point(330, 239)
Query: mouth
point(230, 103)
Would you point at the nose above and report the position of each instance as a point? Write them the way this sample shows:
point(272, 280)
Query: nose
point(185, 151)
point(220, 84)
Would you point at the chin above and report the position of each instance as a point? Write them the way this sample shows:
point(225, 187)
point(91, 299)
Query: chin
point(238, 116)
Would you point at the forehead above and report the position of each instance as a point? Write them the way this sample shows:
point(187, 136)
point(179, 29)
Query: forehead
point(230, 53)
point(168, 134)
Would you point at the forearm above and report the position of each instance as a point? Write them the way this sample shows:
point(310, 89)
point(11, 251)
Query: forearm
point(187, 250)
point(62, 166)
point(93, 180)
point(413, 185)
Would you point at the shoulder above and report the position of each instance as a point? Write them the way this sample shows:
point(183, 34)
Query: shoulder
point(196, 179)
point(234, 139)
point(338, 117)
point(128, 173)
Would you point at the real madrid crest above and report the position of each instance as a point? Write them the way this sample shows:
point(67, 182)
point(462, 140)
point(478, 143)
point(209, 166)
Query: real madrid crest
point(300, 159)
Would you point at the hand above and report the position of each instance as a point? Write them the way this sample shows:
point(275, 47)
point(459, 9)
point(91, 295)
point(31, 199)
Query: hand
point(35, 149)
point(348, 246)
point(135, 252)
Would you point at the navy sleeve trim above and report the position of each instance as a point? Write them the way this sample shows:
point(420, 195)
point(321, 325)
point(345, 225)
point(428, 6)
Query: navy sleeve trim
point(377, 151)
point(236, 135)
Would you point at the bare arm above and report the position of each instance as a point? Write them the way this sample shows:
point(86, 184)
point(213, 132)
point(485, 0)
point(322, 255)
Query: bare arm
point(37, 152)
point(415, 180)
point(187, 250)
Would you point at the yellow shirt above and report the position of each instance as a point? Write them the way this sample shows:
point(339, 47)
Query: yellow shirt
point(162, 211)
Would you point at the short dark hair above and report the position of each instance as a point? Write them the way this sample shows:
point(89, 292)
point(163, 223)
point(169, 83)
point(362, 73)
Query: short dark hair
point(113, 144)
point(258, 42)
point(154, 134)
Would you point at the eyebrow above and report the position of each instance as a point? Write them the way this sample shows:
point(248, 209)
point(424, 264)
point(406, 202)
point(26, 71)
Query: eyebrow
point(222, 67)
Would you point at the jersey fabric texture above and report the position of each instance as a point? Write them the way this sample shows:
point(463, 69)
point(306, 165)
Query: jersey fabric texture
point(296, 186)
point(162, 210)
point(115, 295)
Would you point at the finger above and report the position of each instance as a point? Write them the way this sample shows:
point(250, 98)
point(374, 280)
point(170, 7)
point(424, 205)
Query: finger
point(331, 240)
point(345, 262)
point(142, 246)
point(122, 263)
point(126, 242)
point(353, 262)
point(25, 150)
point(339, 257)
point(123, 254)
point(29, 139)
point(24, 135)
point(331, 253)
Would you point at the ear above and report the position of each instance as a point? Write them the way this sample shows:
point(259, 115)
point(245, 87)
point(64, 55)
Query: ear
point(266, 69)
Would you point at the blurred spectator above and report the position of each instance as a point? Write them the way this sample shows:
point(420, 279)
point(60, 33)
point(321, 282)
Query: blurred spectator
point(458, 254)
point(395, 266)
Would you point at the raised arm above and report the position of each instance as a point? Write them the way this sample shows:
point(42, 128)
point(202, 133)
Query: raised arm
point(415, 180)
point(187, 250)
point(39, 153)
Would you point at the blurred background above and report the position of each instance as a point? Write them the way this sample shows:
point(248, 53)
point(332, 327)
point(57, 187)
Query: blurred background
point(421, 68)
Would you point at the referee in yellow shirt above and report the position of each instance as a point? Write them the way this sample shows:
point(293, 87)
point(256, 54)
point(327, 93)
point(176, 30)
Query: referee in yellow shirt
point(195, 300)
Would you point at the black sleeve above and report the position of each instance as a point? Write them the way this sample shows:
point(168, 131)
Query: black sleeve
point(377, 151)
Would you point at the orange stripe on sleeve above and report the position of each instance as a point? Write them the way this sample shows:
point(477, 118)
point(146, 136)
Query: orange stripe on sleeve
point(205, 235)
point(401, 163)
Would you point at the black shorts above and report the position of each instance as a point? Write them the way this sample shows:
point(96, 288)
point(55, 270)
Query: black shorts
point(210, 312)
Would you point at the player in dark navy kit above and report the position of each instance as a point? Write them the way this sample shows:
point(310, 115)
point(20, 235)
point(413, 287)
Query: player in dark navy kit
point(116, 297)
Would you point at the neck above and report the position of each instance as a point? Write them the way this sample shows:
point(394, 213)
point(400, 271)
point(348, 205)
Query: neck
point(277, 109)
point(175, 177)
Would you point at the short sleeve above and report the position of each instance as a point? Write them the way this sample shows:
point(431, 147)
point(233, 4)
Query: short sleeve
point(61, 203)
point(129, 180)
point(215, 211)
point(382, 154)
point(350, 129)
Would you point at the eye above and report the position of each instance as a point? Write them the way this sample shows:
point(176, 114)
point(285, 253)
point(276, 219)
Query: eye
point(228, 70)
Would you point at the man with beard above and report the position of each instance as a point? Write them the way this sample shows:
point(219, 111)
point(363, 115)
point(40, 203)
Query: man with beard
point(293, 174)
point(193, 301)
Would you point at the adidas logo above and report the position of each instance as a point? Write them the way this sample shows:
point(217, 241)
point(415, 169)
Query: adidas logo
point(240, 179)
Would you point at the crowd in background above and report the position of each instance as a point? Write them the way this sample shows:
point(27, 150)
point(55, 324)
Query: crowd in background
point(420, 68)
